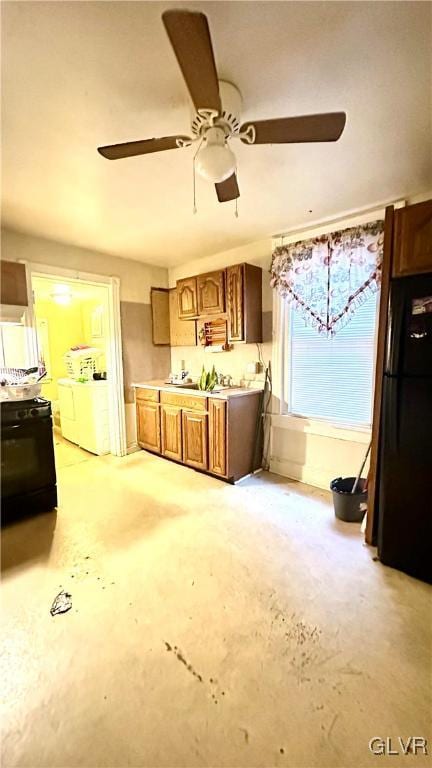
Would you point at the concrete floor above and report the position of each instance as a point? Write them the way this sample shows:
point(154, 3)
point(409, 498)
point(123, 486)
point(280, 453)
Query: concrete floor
point(211, 626)
point(67, 453)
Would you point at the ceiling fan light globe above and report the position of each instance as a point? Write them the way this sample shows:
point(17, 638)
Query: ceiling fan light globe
point(216, 162)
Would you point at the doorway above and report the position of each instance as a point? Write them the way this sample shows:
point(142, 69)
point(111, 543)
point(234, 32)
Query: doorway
point(75, 333)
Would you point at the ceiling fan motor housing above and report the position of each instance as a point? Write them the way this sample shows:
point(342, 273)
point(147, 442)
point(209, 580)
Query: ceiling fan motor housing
point(230, 118)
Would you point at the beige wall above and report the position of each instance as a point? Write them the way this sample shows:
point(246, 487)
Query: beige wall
point(314, 452)
point(136, 278)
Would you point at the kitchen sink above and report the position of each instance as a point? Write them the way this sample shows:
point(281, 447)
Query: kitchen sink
point(192, 385)
point(184, 385)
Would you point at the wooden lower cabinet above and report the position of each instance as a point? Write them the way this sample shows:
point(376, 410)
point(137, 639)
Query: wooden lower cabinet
point(217, 437)
point(148, 425)
point(195, 436)
point(171, 428)
point(212, 434)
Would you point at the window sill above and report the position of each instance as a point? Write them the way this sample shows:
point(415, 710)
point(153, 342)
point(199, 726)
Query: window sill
point(323, 428)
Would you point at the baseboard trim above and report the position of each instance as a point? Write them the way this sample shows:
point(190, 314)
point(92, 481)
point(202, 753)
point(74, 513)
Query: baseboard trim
point(301, 472)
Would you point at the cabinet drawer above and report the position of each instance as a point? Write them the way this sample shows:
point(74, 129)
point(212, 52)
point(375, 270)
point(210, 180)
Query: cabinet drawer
point(144, 393)
point(184, 401)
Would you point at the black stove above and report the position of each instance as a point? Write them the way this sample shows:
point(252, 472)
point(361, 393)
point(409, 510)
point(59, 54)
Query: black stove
point(14, 411)
point(28, 476)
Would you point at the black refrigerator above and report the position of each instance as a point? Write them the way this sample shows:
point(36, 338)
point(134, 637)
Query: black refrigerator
point(405, 462)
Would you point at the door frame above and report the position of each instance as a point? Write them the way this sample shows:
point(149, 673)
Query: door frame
point(116, 403)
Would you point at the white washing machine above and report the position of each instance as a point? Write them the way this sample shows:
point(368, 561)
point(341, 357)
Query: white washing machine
point(84, 416)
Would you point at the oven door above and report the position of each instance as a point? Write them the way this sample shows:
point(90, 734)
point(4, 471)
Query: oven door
point(27, 457)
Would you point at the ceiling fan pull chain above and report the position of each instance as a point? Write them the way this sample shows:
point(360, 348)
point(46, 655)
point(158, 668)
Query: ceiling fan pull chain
point(194, 209)
point(236, 200)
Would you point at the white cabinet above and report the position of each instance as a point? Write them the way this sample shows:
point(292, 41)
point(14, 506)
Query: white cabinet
point(84, 414)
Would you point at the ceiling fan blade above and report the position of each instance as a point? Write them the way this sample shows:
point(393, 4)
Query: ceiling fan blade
point(189, 36)
point(294, 130)
point(144, 147)
point(227, 190)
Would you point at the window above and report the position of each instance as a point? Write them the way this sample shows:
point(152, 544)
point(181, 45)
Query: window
point(332, 378)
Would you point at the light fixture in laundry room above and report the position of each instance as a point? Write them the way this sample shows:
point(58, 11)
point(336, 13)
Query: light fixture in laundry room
point(62, 294)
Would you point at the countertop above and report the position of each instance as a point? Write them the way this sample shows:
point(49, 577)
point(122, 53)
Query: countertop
point(222, 394)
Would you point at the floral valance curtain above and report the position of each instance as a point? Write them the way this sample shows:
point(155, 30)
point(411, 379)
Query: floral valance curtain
point(328, 277)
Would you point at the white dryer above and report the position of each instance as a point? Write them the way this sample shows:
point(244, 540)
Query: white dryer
point(84, 416)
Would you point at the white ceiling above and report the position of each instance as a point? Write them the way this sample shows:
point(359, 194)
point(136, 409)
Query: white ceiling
point(80, 74)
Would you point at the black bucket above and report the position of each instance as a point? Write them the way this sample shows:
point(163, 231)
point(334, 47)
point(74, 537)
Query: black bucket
point(348, 506)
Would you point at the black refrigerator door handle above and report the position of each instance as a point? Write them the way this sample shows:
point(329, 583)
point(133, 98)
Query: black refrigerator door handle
point(396, 325)
point(392, 412)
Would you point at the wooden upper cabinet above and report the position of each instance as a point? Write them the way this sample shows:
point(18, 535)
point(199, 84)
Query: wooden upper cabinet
point(171, 432)
point(413, 240)
point(159, 299)
point(217, 437)
point(194, 428)
point(187, 298)
point(211, 293)
point(244, 303)
point(13, 283)
point(148, 425)
point(234, 292)
point(234, 296)
point(182, 332)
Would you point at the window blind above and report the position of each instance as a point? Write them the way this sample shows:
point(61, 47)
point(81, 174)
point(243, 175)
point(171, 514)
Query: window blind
point(332, 378)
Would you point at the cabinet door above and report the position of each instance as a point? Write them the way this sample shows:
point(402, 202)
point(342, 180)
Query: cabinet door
point(148, 425)
point(182, 332)
point(171, 432)
point(413, 240)
point(195, 439)
point(234, 288)
point(211, 293)
point(217, 436)
point(187, 298)
point(159, 299)
point(13, 283)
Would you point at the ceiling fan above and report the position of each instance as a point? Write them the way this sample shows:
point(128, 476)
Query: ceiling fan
point(216, 119)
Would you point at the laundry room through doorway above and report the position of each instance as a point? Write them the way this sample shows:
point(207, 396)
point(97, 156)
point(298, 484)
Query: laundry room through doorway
point(71, 323)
